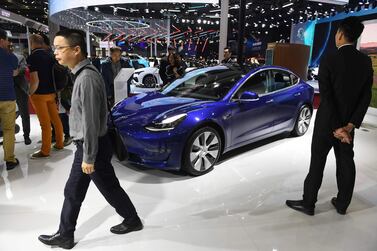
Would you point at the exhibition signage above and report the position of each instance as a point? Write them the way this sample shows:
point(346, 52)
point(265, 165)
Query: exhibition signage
point(59, 5)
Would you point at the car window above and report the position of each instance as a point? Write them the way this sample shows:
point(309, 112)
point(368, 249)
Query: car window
point(279, 80)
point(206, 85)
point(294, 79)
point(257, 83)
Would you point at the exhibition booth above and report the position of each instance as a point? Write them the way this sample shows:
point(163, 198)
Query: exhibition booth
point(211, 121)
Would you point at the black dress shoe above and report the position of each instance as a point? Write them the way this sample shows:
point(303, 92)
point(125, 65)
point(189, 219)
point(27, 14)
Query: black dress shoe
point(298, 205)
point(340, 211)
point(56, 240)
point(27, 140)
point(12, 165)
point(124, 227)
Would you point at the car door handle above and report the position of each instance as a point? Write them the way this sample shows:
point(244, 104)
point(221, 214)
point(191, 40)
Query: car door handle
point(227, 116)
point(297, 94)
point(269, 101)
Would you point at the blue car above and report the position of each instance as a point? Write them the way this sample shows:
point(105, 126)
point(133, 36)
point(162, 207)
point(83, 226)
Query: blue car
point(210, 111)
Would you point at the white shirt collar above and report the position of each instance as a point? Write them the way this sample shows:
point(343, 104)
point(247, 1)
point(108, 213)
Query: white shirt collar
point(343, 45)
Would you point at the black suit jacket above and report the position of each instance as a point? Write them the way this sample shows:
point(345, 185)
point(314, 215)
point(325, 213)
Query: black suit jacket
point(162, 71)
point(345, 85)
point(108, 75)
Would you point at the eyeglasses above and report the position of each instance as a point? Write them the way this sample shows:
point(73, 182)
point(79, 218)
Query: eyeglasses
point(60, 48)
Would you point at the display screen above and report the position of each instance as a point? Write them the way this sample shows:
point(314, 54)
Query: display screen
point(368, 45)
point(303, 33)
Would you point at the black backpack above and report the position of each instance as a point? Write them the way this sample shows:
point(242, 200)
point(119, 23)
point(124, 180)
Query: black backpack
point(60, 76)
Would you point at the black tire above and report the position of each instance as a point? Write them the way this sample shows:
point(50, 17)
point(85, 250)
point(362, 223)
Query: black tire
point(205, 158)
point(302, 121)
point(149, 81)
point(16, 129)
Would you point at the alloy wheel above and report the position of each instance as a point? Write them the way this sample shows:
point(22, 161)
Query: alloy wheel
point(204, 151)
point(304, 120)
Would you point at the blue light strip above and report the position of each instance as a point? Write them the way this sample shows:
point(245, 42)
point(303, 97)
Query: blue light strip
point(324, 45)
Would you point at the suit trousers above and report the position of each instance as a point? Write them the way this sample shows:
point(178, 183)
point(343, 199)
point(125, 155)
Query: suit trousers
point(322, 143)
point(105, 180)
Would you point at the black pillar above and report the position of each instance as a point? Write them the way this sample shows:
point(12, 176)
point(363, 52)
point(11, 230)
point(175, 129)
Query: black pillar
point(241, 31)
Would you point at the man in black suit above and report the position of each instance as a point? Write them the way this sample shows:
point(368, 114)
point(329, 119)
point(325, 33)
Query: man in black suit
point(345, 82)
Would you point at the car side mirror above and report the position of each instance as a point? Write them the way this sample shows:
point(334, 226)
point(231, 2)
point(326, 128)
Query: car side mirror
point(248, 96)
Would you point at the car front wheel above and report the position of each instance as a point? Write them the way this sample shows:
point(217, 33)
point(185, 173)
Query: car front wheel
point(202, 151)
point(149, 81)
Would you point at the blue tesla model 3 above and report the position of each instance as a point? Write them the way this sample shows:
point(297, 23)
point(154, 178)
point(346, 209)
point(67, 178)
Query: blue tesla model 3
point(210, 111)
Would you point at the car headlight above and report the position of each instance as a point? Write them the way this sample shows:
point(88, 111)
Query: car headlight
point(166, 124)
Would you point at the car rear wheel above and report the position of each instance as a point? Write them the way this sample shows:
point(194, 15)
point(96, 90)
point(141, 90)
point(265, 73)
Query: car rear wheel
point(302, 121)
point(202, 151)
point(149, 81)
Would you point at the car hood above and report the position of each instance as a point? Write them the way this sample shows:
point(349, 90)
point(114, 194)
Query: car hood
point(146, 108)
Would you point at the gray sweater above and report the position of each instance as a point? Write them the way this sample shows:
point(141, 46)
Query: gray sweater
point(88, 114)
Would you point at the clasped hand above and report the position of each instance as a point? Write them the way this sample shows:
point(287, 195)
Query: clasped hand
point(344, 133)
point(87, 168)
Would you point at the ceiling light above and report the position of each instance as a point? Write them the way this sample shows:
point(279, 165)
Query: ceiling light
point(287, 4)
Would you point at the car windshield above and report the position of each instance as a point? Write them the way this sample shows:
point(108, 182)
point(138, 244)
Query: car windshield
point(206, 84)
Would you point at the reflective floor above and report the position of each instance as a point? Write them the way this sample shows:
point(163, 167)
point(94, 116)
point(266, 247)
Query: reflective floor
point(238, 206)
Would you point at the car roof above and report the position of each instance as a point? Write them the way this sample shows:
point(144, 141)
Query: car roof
point(246, 70)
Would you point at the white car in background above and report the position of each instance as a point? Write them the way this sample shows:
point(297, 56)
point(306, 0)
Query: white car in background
point(147, 78)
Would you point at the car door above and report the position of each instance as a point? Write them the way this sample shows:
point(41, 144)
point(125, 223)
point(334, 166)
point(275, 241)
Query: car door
point(252, 119)
point(286, 95)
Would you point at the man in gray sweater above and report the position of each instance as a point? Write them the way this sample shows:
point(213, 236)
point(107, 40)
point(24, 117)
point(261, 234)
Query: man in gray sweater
point(88, 126)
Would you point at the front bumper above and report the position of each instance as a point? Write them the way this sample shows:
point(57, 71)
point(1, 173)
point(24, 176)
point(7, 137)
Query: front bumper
point(160, 150)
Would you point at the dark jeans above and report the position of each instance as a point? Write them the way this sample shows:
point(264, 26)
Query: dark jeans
point(105, 180)
point(65, 122)
point(23, 107)
point(322, 143)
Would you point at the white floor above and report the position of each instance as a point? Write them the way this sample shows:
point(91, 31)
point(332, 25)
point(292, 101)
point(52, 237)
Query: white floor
point(238, 206)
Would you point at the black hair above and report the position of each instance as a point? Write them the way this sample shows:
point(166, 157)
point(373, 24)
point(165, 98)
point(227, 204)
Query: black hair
point(227, 48)
point(351, 28)
point(75, 38)
point(3, 34)
point(46, 40)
